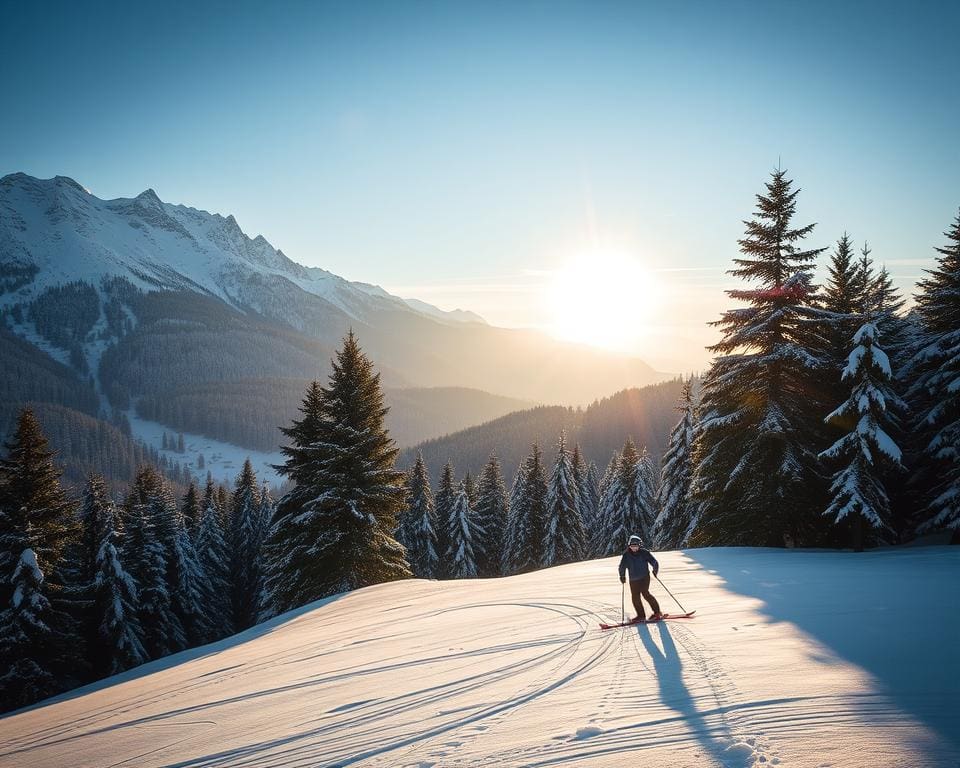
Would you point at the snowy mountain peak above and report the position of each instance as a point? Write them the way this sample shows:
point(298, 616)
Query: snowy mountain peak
point(149, 197)
point(66, 181)
point(68, 234)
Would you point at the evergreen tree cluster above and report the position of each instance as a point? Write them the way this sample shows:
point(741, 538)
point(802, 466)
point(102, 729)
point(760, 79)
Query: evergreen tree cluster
point(557, 511)
point(92, 586)
point(828, 417)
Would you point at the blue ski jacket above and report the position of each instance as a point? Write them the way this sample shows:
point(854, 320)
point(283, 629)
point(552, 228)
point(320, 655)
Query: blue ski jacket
point(637, 564)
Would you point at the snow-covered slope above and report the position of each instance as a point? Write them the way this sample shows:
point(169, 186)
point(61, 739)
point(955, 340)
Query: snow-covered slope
point(66, 233)
point(794, 659)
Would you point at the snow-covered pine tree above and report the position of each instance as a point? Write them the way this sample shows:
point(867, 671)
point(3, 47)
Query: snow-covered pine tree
point(421, 522)
point(586, 494)
point(146, 558)
point(191, 599)
point(224, 506)
point(936, 388)
point(246, 572)
point(883, 299)
point(112, 635)
point(214, 557)
point(599, 542)
point(514, 502)
point(190, 508)
point(333, 531)
point(445, 497)
point(117, 642)
point(460, 557)
point(757, 476)
point(673, 501)
point(842, 299)
point(38, 525)
point(185, 580)
point(626, 504)
point(563, 537)
point(648, 487)
point(28, 641)
point(529, 517)
point(33, 499)
point(866, 455)
point(491, 518)
point(470, 487)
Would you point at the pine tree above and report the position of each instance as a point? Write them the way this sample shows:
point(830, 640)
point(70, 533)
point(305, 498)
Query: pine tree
point(460, 557)
point(757, 476)
point(267, 507)
point(421, 525)
point(626, 504)
point(191, 598)
point(491, 519)
point(224, 506)
point(529, 518)
point(39, 515)
point(26, 641)
point(564, 539)
point(117, 641)
point(599, 542)
point(843, 295)
point(146, 558)
point(333, 530)
point(112, 635)
point(517, 490)
point(214, 558)
point(471, 488)
point(673, 501)
point(38, 525)
point(866, 453)
point(445, 498)
point(246, 573)
point(587, 494)
point(184, 580)
point(190, 508)
point(936, 391)
point(648, 486)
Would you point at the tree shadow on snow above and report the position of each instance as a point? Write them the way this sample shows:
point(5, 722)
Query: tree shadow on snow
point(899, 604)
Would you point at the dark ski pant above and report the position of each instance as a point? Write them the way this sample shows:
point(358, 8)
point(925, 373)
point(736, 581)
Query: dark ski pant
point(640, 589)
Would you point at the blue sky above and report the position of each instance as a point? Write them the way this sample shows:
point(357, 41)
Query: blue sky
point(464, 152)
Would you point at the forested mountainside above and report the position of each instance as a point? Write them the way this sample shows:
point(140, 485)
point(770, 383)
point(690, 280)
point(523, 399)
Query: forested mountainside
point(250, 412)
point(173, 296)
point(119, 308)
point(644, 414)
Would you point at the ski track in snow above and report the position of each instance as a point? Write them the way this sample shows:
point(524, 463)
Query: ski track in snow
point(506, 672)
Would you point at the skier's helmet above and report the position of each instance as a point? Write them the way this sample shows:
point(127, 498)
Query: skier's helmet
point(635, 540)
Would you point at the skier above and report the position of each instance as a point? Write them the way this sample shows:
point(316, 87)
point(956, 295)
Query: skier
point(635, 559)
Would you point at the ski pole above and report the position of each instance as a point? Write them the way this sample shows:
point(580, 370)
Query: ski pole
point(670, 593)
point(623, 614)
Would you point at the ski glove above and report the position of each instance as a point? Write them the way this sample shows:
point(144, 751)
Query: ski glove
point(623, 579)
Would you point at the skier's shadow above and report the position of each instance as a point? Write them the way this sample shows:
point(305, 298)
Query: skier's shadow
point(674, 693)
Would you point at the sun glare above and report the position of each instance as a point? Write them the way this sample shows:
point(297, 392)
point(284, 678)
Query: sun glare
point(602, 298)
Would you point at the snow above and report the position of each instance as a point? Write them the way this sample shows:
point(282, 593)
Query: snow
point(223, 460)
point(795, 658)
point(70, 234)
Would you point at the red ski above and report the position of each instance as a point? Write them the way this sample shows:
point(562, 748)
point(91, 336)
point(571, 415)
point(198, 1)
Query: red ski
point(650, 621)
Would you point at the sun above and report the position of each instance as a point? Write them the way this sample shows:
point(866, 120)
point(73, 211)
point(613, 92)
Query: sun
point(604, 299)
